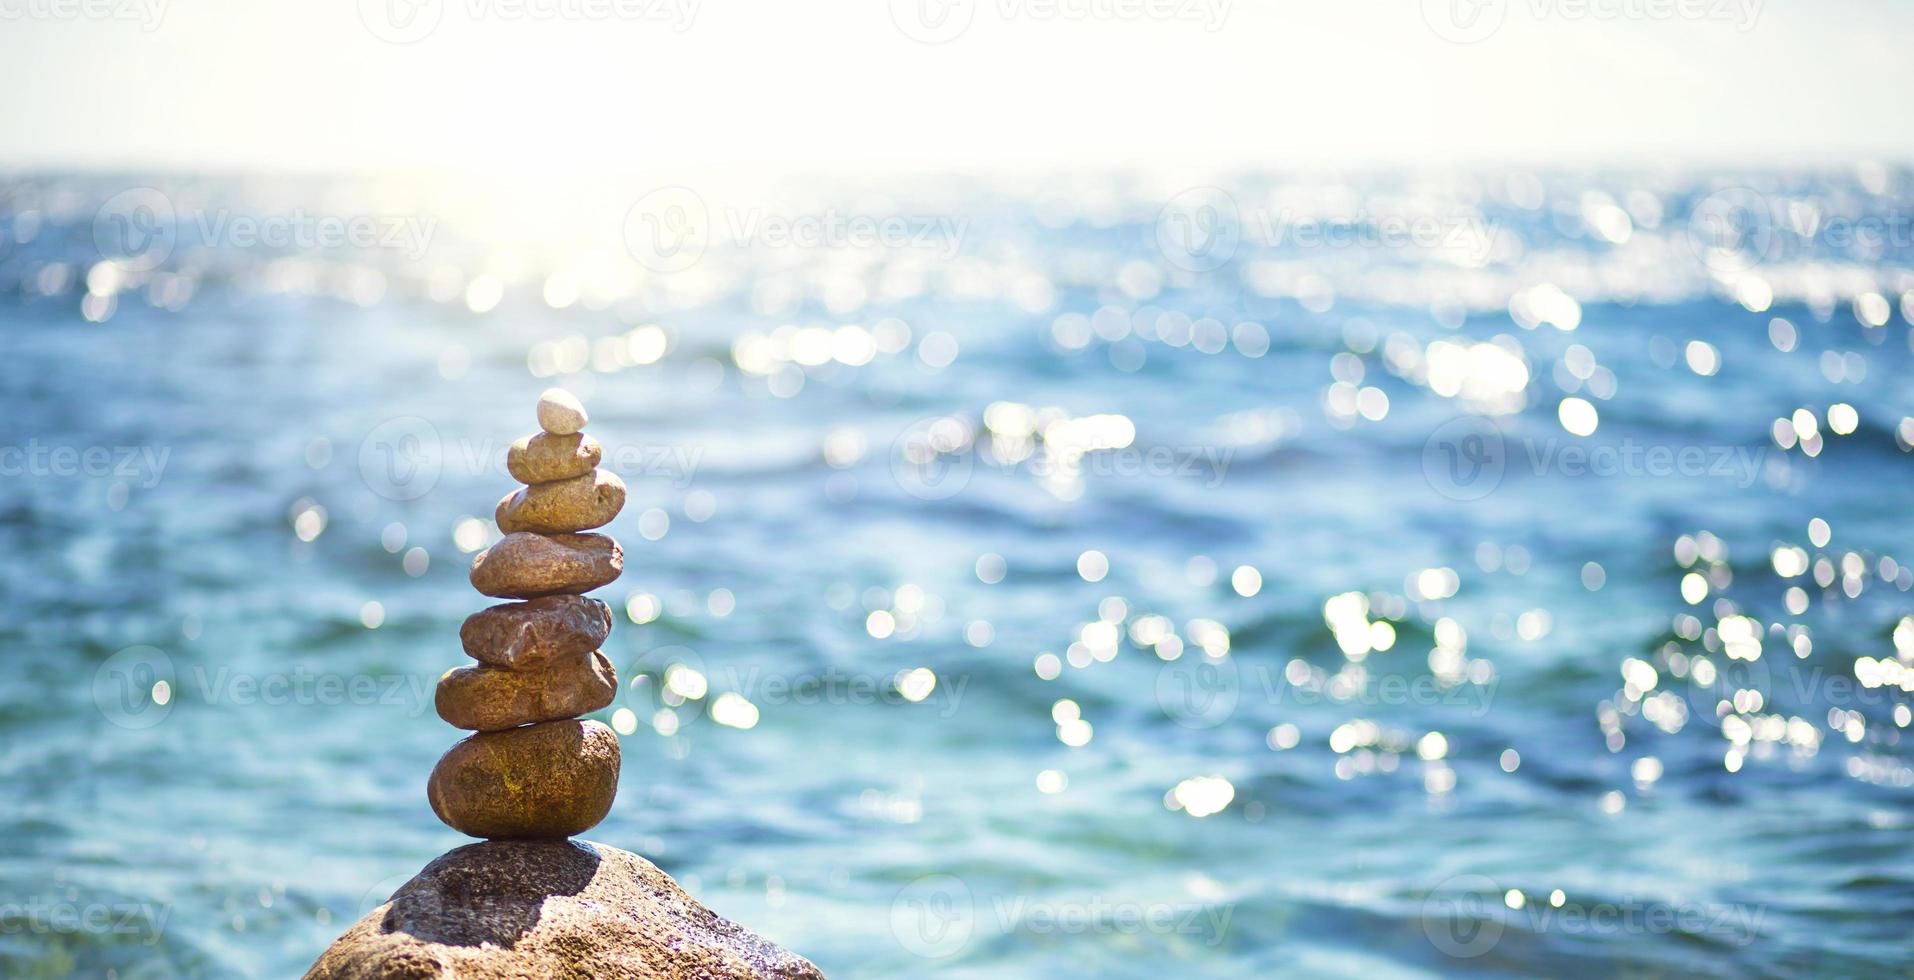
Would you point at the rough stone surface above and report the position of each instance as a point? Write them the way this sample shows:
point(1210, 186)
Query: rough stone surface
point(560, 413)
point(526, 566)
point(553, 779)
point(578, 504)
point(522, 635)
point(573, 909)
point(490, 699)
point(544, 457)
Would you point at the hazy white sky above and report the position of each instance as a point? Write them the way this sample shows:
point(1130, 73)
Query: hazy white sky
point(675, 86)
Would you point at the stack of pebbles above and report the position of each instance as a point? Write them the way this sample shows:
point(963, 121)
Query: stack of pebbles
point(534, 768)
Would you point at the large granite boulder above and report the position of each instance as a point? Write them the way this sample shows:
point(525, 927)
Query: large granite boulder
point(548, 908)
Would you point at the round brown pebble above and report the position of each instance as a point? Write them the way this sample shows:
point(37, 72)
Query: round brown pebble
point(526, 566)
point(553, 779)
point(544, 457)
point(560, 412)
point(578, 504)
point(491, 699)
point(519, 635)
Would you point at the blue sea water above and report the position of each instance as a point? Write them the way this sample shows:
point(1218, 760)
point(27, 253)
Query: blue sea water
point(1327, 574)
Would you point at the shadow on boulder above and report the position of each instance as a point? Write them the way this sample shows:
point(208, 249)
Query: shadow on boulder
point(492, 892)
point(549, 908)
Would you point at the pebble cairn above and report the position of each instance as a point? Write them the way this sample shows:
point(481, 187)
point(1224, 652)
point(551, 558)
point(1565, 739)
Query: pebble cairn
point(535, 768)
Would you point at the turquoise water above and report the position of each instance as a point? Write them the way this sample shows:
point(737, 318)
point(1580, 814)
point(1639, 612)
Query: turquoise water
point(1333, 575)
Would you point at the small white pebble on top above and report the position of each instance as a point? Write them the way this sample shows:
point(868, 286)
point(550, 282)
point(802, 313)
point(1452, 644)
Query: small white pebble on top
point(560, 413)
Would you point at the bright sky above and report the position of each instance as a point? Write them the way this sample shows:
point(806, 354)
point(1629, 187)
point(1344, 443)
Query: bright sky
point(671, 86)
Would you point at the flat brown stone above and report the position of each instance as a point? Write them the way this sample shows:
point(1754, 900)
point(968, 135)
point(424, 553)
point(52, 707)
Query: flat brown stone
point(526, 566)
point(553, 779)
point(490, 699)
point(507, 910)
point(577, 504)
point(544, 457)
point(520, 635)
